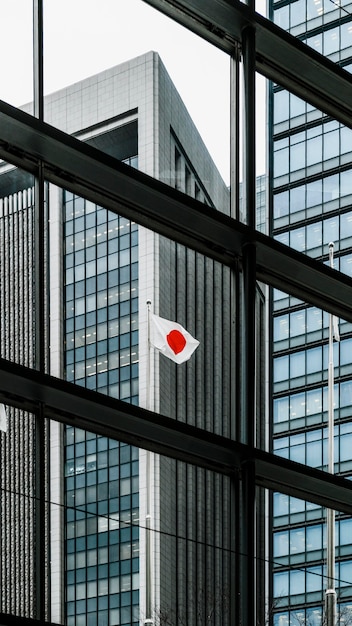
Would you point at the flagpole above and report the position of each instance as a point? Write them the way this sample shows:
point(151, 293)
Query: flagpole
point(148, 557)
point(330, 594)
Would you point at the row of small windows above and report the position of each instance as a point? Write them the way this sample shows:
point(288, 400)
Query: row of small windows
point(103, 587)
point(301, 11)
point(303, 325)
point(290, 111)
point(125, 390)
point(80, 462)
point(116, 258)
point(112, 238)
point(82, 215)
point(310, 580)
point(111, 617)
point(311, 447)
point(116, 526)
point(313, 198)
point(103, 299)
point(311, 616)
point(311, 366)
point(82, 330)
point(314, 238)
point(298, 324)
point(113, 361)
point(290, 510)
point(334, 40)
point(109, 451)
point(86, 564)
point(303, 540)
point(123, 274)
point(283, 301)
point(101, 349)
point(100, 524)
point(93, 442)
point(83, 551)
point(311, 147)
point(314, 402)
point(86, 214)
point(124, 307)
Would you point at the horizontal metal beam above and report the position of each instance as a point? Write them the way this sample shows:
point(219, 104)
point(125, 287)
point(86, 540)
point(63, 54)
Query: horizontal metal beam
point(71, 404)
point(278, 54)
point(62, 401)
point(84, 170)
point(14, 620)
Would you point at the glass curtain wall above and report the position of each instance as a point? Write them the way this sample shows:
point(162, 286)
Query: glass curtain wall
point(216, 442)
point(311, 207)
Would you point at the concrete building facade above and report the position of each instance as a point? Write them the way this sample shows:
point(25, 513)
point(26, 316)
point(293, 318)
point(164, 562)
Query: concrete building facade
point(103, 269)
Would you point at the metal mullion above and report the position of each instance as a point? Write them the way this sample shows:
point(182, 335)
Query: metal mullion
point(76, 406)
point(38, 90)
point(181, 218)
point(248, 582)
point(278, 53)
point(39, 299)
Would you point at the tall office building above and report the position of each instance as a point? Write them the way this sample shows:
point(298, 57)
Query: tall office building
point(311, 189)
point(103, 269)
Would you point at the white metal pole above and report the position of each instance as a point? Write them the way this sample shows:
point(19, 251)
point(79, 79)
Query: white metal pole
point(148, 557)
point(330, 596)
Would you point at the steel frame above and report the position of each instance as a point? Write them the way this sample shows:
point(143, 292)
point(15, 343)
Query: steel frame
point(50, 155)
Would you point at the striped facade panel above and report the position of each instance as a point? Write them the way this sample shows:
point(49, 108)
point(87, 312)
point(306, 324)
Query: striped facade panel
point(17, 445)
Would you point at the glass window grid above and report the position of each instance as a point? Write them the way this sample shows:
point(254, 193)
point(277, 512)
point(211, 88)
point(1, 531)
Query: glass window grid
point(293, 206)
point(310, 366)
point(313, 238)
point(313, 199)
point(301, 17)
point(96, 543)
point(102, 354)
point(321, 147)
point(308, 407)
point(300, 584)
point(310, 447)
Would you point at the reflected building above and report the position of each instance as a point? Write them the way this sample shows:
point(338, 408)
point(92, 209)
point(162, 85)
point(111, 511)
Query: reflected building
point(103, 268)
point(311, 190)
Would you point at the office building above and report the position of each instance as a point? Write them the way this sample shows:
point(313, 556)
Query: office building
point(311, 207)
point(103, 270)
point(51, 162)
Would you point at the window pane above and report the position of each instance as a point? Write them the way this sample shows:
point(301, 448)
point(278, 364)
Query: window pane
point(16, 75)
point(125, 67)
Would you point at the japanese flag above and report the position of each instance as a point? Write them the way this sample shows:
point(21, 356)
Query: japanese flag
point(171, 339)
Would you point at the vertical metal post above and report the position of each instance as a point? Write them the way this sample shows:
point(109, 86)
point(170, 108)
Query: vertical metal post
point(330, 595)
point(148, 547)
point(235, 134)
point(235, 338)
point(38, 79)
point(248, 423)
point(248, 48)
point(39, 303)
point(40, 533)
point(248, 495)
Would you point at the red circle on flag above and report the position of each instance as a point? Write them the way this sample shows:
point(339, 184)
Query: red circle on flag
point(176, 341)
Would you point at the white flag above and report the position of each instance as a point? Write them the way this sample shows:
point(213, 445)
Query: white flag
point(171, 339)
point(3, 418)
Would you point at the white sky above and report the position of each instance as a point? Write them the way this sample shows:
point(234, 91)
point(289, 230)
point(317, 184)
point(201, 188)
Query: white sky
point(83, 37)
